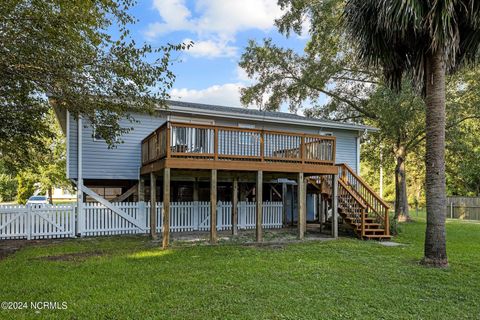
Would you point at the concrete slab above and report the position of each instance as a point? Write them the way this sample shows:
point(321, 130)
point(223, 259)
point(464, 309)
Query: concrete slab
point(390, 244)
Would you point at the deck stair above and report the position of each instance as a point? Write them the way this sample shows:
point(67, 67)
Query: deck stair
point(364, 211)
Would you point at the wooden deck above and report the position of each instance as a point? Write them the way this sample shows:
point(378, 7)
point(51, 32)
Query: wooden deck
point(193, 146)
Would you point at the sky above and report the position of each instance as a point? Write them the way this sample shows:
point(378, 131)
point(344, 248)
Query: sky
point(220, 30)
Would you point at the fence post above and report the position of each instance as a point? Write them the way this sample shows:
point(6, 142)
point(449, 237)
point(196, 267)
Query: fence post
point(29, 222)
point(451, 210)
point(241, 214)
point(80, 220)
point(72, 220)
point(142, 213)
point(196, 212)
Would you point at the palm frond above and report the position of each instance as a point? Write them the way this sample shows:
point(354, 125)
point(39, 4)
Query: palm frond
point(398, 35)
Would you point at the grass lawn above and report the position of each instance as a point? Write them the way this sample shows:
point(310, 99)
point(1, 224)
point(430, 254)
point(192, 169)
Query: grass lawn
point(129, 277)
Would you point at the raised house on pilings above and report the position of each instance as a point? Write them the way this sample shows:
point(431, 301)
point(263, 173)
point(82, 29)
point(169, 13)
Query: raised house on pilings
point(255, 169)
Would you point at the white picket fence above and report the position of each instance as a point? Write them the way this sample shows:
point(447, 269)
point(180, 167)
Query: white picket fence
point(37, 222)
point(58, 221)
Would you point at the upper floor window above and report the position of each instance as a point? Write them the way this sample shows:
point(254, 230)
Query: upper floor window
point(326, 133)
point(246, 138)
point(103, 117)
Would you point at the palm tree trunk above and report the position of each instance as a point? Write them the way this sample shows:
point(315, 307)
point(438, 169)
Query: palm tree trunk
point(401, 198)
point(435, 235)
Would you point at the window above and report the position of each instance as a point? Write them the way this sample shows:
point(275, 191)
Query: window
point(246, 138)
point(102, 117)
point(187, 139)
point(96, 135)
point(325, 133)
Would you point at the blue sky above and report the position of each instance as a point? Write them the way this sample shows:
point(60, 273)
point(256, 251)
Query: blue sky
point(220, 29)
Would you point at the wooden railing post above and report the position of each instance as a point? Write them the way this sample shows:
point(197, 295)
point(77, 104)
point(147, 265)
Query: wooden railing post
point(262, 146)
point(167, 143)
point(334, 148)
point(344, 173)
point(158, 143)
point(363, 222)
point(215, 143)
point(387, 222)
point(302, 149)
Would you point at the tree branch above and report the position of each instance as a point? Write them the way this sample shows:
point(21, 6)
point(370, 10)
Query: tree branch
point(422, 135)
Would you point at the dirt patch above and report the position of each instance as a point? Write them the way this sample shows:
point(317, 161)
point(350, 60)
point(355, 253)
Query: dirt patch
point(267, 245)
point(9, 247)
point(79, 256)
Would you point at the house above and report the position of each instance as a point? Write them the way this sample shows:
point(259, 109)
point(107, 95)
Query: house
point(212, 154)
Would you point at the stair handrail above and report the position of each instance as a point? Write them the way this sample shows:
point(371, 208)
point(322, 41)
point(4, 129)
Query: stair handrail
point(378, 206)
point(344, 186)
point(353, 194)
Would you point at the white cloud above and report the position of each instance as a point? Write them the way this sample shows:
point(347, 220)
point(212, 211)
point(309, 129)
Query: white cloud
point(211, 49)
point(241, 74)
point(223, 18)
point(175, 16)
point(227, 94)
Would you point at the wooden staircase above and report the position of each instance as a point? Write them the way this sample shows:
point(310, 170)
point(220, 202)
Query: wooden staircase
point(363, 210)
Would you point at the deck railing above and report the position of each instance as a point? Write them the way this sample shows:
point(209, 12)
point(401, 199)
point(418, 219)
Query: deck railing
point(185, 140)
point(370, 198)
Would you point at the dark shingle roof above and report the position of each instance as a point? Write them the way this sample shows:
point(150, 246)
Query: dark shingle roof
point(270, 114)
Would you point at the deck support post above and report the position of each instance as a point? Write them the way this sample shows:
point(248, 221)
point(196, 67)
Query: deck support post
point(213, 207)
point(321, 210)
point(166, 209)
point(153, 206)
point(235, 206)
point(284, 204)
point(195, 190)
point(292, 205)
point(335, 206)
point(259, 200)
point(141, 190)
point(302, 199)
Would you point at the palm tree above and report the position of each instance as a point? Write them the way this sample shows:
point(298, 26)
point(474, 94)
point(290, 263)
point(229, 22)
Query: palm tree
point(423, 40)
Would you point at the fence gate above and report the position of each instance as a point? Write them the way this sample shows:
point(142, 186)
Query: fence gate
point(56, 221)
point(128, 217)
point(37, 222)
point(13, 222)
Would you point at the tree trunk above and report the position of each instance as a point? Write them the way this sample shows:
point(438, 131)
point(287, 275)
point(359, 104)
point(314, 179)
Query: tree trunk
point(435, 235)
point(50, 194)
point(401, 198)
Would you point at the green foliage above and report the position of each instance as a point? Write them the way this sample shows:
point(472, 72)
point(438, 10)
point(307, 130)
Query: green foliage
point(26, 186)
point(327, 67)
point(344, 279)
point(45, 172)
point(398, 36)
point(51, 164)
point(80, 55)
point(463, 136)
point(8, 187)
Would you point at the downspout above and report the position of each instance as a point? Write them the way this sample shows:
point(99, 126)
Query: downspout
point(79, 176)
point(67, 121)
point(358, 154)
point(381, 173)
point(359, 138)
